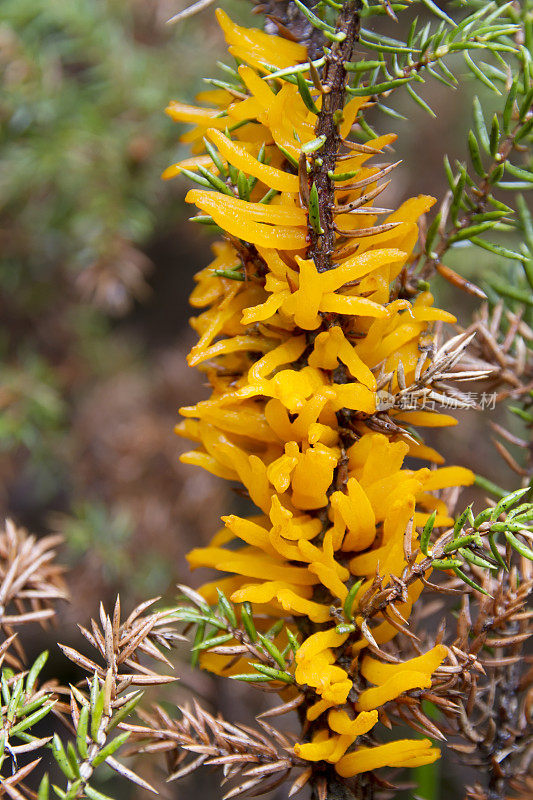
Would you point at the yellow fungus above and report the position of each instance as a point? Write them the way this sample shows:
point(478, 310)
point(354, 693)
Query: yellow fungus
point(237, 155)
point(377, 672)
point(400, 753)
point(294, 355)
point(392, 688)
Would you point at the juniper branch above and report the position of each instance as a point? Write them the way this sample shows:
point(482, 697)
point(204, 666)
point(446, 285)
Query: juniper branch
point(480, 205)
point(334, 79)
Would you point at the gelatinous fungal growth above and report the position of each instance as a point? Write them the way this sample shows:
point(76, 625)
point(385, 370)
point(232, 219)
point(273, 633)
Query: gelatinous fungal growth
point(302, 332)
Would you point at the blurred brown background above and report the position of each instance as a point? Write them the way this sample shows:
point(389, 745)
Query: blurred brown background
point(96, 263)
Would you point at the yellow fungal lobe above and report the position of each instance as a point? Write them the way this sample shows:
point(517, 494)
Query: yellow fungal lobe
point(293, 356)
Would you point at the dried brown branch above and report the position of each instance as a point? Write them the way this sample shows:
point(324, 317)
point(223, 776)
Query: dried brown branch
point(431, 384)
point(121, 644)
point(498, 718)
point(30, 584)
point(121, 647)
point(257, 761)
point(503, 353)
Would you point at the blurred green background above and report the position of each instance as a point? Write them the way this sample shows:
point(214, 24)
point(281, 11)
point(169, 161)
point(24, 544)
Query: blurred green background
point(96, 263)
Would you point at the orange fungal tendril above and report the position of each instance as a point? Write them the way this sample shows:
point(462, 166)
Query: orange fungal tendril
point(325, 515)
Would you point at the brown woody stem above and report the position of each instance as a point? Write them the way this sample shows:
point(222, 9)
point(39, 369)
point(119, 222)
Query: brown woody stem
point(334, 79)
point(321, 246)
